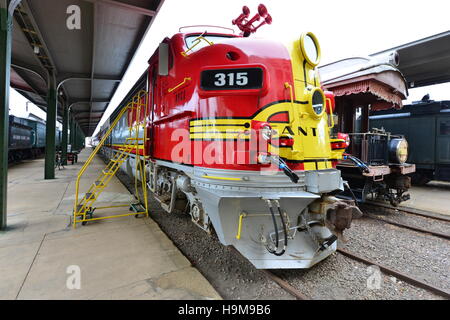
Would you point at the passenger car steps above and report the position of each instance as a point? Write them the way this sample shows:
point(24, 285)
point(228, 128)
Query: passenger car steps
point(84, 208)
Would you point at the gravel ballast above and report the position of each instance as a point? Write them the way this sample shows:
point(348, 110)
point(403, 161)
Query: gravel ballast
point(417, 254)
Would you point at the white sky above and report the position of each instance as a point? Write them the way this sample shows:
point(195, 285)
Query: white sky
point(345, 28)
point(18, 107)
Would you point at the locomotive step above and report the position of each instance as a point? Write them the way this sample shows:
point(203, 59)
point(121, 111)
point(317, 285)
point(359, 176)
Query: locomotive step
point(90, 195)
point(121, 161)
point(107, 173)
point(99, 184)
point(137, 208)
point(85, 211)
point(80, 206)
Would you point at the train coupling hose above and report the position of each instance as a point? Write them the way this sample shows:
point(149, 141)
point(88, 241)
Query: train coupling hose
point(359, 163)
point(276, 160)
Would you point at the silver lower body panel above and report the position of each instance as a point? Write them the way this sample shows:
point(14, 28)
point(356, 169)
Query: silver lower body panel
point(225, 207)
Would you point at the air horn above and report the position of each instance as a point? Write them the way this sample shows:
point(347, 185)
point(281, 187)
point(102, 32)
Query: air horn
point(246, 26)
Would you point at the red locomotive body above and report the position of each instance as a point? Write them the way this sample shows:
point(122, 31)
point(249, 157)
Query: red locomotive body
point(180, 102)
point(237, 135)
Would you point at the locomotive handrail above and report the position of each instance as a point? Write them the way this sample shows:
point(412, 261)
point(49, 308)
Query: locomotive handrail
point(185, 80)
point(241, 216)
point(331, 113)
point(175, 116)
point(287, 85)
point(136, 102)
point(198, 39)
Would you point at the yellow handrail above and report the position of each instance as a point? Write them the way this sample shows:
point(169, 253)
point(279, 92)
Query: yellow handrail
point(331, 113)
point(241, 216)
point(287, 85)
point(180, 84)
point(136, 102)
point(143, 172)
point(138, 105)
point(198, 39)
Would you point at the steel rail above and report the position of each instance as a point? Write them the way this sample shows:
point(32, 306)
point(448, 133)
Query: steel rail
point(397, 274)
point(417, 212)
point(407, 226)
point(284, 285)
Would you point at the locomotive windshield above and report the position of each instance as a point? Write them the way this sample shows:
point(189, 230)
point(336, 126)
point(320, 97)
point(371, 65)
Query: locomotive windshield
point(196, 42)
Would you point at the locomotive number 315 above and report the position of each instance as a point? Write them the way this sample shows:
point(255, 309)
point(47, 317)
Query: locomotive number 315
point(232, 79)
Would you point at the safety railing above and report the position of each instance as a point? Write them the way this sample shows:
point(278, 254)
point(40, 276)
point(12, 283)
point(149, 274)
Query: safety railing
point(130, 106)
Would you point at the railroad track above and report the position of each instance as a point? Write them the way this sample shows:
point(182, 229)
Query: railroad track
point(408, 279)
point(282, 283)
point(407, 226)
point(285, 285)
point(417, 212)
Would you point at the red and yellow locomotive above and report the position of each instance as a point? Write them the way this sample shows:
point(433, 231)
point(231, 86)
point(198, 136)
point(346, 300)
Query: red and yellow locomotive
point(237, 135)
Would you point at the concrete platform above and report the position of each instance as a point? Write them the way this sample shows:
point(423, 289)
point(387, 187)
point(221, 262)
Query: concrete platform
point(434, 197)
point(120, 258)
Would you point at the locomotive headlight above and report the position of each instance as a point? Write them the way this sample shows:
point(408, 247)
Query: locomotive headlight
point(398, 150)
point(309, 45)
point(317, 102)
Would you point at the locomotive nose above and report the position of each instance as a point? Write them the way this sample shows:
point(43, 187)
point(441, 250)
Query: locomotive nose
point(304, 138)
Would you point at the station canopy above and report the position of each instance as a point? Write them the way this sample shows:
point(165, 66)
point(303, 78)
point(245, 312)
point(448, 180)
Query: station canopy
point(88, 62)
point(382, 79)
point(424, 62)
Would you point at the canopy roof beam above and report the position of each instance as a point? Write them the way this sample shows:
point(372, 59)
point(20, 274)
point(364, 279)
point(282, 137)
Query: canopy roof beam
point(88, 78)
point(125, 6)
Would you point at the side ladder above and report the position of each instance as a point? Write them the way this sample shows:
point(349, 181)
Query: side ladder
point(83, 210)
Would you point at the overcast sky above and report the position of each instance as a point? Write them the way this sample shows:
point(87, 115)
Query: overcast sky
point(345, 28)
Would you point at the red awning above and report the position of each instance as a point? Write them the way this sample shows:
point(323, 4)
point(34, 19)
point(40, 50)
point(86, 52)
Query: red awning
point(388, 98)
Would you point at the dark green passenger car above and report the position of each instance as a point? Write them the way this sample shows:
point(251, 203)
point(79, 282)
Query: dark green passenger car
point(426, 126)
